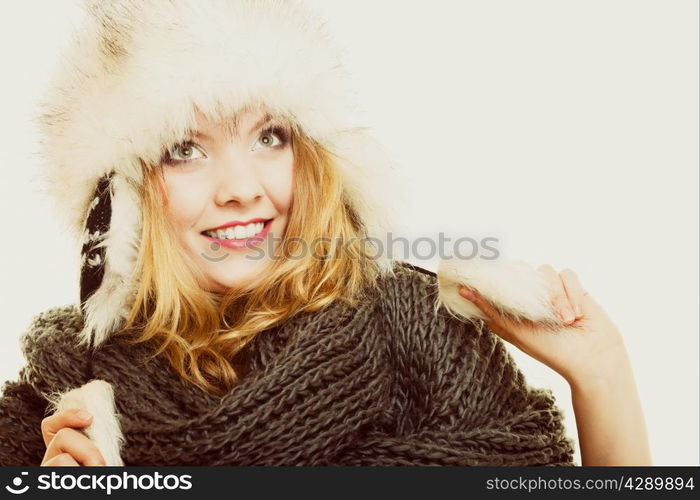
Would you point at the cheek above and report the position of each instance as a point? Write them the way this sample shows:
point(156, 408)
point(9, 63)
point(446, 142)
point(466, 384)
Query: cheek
point(186, 200)
point(279, 182)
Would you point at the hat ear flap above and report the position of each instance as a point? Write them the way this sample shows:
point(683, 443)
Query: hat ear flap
point(92, 254)
point(111, 240)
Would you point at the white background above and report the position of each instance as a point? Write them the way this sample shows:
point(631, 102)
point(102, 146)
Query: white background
point(569, 129)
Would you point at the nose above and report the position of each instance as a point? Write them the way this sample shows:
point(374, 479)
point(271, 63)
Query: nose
point(238, 183)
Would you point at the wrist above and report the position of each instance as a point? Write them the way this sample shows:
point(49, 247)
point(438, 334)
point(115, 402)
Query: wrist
point(608, 370)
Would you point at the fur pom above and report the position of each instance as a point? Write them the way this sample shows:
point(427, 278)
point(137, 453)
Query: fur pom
point(513, 287)
point(97, 397)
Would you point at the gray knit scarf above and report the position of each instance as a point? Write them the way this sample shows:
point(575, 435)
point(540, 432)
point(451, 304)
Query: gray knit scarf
point(393, 382)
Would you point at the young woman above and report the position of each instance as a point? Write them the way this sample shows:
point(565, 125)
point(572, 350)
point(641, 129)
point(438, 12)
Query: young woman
point(228, 294)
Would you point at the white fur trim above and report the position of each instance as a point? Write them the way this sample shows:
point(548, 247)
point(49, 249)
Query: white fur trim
point(512, 286)
point(97, 397)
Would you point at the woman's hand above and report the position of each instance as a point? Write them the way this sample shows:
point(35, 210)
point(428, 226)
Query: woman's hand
point(587, 346)
point(64, 444)
point(589, 353)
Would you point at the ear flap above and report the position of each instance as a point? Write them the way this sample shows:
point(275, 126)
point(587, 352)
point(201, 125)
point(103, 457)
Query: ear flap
point(374, 187)
point(92, 254)
point(111, 240)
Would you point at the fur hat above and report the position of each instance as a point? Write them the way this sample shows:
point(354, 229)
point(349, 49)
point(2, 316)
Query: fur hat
point(131, 81)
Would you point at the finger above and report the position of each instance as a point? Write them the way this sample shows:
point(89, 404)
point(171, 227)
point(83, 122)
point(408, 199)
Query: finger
point(559, 299)
point(67, 418)
point(574, 291)
point(496, 322)
point(478, 300)
point(77, 444)
point(64, 459)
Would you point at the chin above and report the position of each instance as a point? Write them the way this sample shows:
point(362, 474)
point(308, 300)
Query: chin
point(225, 284)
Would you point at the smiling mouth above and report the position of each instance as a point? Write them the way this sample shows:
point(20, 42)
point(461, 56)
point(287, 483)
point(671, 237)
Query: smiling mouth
point(239, 232)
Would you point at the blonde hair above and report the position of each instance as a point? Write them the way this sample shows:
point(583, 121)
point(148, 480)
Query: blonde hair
point(199, 331)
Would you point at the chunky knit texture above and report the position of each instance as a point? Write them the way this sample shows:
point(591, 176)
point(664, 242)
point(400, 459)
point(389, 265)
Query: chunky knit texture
point(392, 382)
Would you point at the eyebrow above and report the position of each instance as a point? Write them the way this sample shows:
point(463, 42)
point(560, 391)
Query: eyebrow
point(232, 127)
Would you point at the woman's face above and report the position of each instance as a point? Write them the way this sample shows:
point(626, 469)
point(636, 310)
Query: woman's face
point(229, 196)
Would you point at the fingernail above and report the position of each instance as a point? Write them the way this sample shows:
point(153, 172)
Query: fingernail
point(83, 415)
point(578, 310)
point(467, 294)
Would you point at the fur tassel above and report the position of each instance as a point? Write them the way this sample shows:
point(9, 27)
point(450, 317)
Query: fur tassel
point(97, 397)
point(513, 287)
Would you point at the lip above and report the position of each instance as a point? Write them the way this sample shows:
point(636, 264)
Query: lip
point(246, 243)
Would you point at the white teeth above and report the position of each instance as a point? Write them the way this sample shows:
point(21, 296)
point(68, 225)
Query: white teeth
point(253, 229)
point(237, 232)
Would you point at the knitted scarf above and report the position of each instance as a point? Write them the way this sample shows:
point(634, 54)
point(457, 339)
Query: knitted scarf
point(391, 382)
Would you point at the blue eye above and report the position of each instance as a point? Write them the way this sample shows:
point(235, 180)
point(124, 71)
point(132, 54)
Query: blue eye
point(183, 153)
